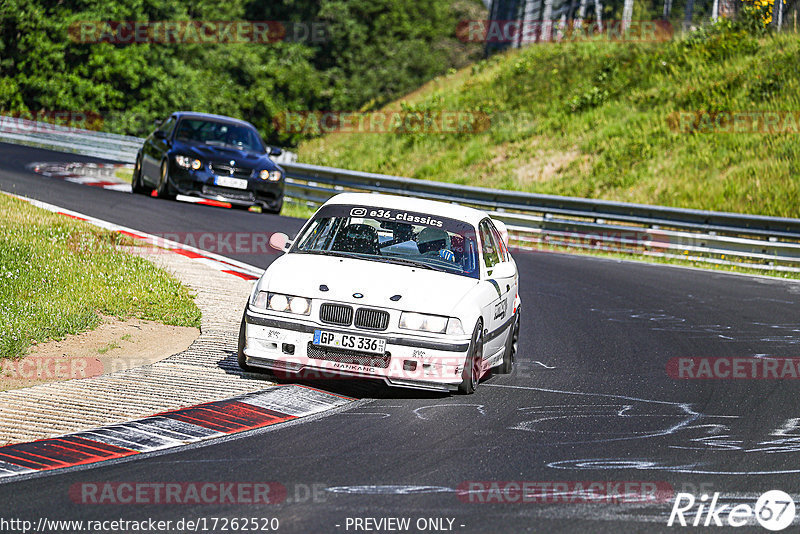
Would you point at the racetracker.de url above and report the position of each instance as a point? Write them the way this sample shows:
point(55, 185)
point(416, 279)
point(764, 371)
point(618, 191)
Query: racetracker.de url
point(149, 525)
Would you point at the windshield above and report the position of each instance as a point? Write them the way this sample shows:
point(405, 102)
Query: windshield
point(392, 236)
point(219, 134)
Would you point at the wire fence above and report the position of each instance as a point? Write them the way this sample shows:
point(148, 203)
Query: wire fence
point(533, 21)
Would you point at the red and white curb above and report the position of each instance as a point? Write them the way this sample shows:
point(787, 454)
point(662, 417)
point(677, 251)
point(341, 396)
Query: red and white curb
point(103, 175)
point(170, 429)
point(93, 174)
point(215, 261)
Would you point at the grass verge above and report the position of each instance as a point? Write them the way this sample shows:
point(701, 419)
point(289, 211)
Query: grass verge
point(57, 276)
point(605, 120)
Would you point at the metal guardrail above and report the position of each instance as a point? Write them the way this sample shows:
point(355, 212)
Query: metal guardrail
point(760, 242)
point(122, 148)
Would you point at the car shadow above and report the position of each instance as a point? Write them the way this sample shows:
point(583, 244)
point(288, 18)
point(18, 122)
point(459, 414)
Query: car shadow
point(358, 388)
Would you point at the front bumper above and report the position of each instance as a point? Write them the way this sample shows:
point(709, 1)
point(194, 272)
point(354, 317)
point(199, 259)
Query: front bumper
point(286, 347)
point(201, 184)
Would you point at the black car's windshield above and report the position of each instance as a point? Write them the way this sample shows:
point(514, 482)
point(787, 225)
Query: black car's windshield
point(392, 236)
point(219, 134)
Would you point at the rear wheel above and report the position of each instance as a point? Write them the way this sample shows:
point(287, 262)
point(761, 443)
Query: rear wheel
point(472, 366)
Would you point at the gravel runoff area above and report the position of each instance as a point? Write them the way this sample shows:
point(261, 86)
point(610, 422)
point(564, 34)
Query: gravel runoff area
point(205, 372)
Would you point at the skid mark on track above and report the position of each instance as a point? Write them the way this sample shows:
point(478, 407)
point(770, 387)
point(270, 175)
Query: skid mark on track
point(723, 444)
point(786, 334)
point(420, 412)
point(389, 489)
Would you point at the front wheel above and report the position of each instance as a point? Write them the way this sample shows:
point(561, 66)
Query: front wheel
point(275, 209)
point(240, 356)
point(472, 366)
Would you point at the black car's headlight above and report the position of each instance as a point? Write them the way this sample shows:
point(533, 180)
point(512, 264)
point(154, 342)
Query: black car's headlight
point(272, 176)
point(282, 303)
point(188, 163)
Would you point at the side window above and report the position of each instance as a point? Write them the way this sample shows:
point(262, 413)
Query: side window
point(501, 245)
point(167, 126)
point(491, 256)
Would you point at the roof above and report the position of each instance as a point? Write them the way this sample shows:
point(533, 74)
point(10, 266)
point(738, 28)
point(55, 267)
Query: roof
point(444, 209)
point(211, 116)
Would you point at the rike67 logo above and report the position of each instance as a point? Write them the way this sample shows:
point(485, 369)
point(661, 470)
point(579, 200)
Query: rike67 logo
point(774, 510)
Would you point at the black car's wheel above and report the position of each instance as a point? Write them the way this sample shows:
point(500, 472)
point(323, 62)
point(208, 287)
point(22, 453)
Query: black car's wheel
point(275, 208)
point(164, 189)
point(511, 349)
point(137, 187)
point(472, 366)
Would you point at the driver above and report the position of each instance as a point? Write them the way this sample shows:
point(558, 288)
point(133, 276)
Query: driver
point(435, 242)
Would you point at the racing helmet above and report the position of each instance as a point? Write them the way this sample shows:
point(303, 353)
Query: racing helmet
point(433, 240)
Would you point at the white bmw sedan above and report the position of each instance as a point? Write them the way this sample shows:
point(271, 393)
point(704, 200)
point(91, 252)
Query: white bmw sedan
point(420, 294)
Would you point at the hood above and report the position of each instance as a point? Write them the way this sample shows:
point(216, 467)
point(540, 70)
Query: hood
point(223, 154)
point(421, 290)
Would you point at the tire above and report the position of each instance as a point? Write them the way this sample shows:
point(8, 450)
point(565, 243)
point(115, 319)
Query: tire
point(276, 210)
point(511, 349)
point(240, 357)
point(471, 373)
point(164, 189)
point(136, 180)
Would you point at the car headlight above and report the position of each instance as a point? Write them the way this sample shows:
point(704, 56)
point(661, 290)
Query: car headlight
point(188, 163)
point(430, 323)
point(282, 303)
point(272, 176)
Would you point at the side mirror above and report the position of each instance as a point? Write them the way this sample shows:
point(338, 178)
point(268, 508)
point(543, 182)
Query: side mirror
point(160, 134)
point(280, 241)
point(503, 270)
point(275, 151)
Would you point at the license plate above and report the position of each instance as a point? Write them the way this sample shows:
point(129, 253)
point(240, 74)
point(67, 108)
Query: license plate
point(227, 181)
point(349, 342)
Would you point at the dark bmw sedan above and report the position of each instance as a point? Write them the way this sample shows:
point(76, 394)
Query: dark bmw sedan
point(210, 157)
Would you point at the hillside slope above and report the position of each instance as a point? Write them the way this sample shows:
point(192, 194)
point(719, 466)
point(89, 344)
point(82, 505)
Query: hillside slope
point(611, 120)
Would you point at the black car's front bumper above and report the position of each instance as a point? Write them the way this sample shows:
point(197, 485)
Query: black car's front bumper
point(202, 183)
